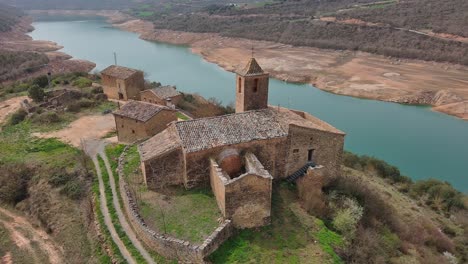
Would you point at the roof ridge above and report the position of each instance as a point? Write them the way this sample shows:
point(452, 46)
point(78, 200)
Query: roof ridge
point(252, 68)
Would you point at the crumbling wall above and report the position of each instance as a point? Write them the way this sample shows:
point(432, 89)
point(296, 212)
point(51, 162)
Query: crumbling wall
point(245, 199)
point(271, 153)
point(164, 170)
point(310, 193)
point(134, 85)
point(165, 245)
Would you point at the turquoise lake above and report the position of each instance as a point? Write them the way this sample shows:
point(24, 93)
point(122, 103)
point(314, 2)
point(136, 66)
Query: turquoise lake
point(422, 143)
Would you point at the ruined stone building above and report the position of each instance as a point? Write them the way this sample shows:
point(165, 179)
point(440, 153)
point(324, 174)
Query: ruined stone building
point(139, 120)
point(240, 154)
point(122, 83)
point(165, 95)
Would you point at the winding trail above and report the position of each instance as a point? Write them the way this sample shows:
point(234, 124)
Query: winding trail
point(18, 225)
point(107, 220)
point(95, 148)
point(118, 208)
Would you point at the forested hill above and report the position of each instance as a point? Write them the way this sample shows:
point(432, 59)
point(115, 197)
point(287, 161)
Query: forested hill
point(407, 29)
point(8, 17)
point(69, 4)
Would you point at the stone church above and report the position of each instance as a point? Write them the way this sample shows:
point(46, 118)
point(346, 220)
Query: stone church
point(239, 155)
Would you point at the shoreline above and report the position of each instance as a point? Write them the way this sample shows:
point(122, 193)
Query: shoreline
point(443, 86)
point(59, 62)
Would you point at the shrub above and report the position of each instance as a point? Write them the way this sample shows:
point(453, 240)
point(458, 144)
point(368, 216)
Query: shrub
point(17, 117)
point(74, 107)
point(36, 93)
point(382, 168)
point(73, 190)
point(48, 117)
point(346, 218)
point(41, 81)
point(14, 180)
point(97, 90)
point(86, 103)
point(439, 195)
point(82, 82)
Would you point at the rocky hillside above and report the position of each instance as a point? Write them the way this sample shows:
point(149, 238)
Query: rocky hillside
point(371, 26)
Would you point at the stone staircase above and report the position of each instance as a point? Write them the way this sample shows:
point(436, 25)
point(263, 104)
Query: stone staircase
point(300, 172)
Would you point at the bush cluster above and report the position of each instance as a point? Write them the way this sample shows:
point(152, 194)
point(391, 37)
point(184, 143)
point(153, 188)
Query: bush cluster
point(382, 168)
point(14, 179)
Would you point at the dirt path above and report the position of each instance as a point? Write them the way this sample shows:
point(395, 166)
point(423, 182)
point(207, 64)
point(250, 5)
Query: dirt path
point(107, 219)
point(118, 207)
point(16, 227)
point(86, 127)
point(94, 148)
point(10, 106)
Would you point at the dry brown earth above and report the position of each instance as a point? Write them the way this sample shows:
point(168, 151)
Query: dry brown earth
point(86, 127)
point(10, 106)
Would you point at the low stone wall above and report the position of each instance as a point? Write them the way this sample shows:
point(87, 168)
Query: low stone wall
point(167, 246)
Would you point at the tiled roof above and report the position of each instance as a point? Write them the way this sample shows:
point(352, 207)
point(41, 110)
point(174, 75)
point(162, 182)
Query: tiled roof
point(140, 111)
point(119, 72)
point(205, 133)
point(161, 143)
point(289, 117)
point(165, 92)
point(252, 68)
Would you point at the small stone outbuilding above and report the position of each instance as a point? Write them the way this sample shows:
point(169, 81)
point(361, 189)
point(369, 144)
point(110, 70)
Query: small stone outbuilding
point(122, 83)
point(165, 95)
point(139, 120)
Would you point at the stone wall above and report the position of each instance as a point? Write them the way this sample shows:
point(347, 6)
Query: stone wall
point(251, 92)
point(165, 245)
point(130, 130)
point(129, 88)
point(327, 149)
point(271, 153)
point(247, 198)
point(164, 170)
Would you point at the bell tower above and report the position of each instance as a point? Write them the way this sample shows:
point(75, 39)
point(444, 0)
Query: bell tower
point(251, 88)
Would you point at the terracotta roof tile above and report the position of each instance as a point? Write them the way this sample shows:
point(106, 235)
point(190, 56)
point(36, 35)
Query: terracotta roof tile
point(140, 111)
point(205, 133)
point(161, 143)
point(119, 72)
point(165, 92)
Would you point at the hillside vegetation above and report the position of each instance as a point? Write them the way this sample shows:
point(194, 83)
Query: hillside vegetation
point(299, 23)
point(8, 17)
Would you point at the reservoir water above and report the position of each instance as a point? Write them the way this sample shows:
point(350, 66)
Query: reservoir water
point(422, 143)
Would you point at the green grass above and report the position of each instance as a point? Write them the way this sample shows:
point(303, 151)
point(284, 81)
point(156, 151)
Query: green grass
point(114, 217)
point(190, 215)
point(132, 161)
point(182, 116)
point(104, 258)
point(113, 153)
point(82, 82)
point(145, 13)
point(329, 240)
point(289, 239)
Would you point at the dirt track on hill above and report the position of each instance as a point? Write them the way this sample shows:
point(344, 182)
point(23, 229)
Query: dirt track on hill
point(23, 234)
point(10, 106)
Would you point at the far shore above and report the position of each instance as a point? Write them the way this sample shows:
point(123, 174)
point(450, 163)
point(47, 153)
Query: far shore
point(441, 85)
